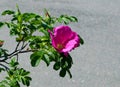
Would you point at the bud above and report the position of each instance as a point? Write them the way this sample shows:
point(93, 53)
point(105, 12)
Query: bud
point(1, 43)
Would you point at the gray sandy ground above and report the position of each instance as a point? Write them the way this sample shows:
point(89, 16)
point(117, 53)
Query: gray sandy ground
point(97, 62)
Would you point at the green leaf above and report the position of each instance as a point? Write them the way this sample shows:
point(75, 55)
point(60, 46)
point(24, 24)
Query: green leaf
point(1, 69)
point(26, 81)
point(46, 59)
point(22, 75)
point(1, 51)
point(28, 16)
point(59, 20)
point(9, 12)
point(18, 10)
point(36, 58)
point(13, 63)
point(14, 83)
point(51, 55)
point(66, 21)
point(44, 39)
point(66, 64)
point(62, 73)
point(4, 83)
point(69, 61)
point(25, 73)
point(19, 19)
point(14, 30)
point(45, 32)
point(10, 73)
point(81, 41)
point(73, 19)
point(56, 66)
point(18, 75)
point(1, 24)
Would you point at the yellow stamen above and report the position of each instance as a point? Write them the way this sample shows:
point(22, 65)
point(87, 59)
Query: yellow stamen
point(59, 46)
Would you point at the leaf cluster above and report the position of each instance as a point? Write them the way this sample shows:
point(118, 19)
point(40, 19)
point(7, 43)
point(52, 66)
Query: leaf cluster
point(23, 27)
point(16, 76)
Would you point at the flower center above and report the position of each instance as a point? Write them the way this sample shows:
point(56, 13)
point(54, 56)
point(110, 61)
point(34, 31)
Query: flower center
point(59, 46)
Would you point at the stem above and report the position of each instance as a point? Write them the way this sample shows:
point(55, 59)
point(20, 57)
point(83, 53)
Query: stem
point(15, 52)
point(4, 66)
point(17, 57)
point(69, 73)
point(25, 51)
point(18, 50)
point(17, 45)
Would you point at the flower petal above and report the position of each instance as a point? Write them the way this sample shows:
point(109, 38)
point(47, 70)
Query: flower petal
point(62, 33)
point(64, 39)
point(69, 46)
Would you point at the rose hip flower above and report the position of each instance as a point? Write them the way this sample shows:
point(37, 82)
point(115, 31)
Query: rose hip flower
point(64, 39)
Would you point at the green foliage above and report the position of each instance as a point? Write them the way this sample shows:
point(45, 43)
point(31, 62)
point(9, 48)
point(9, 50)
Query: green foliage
point(16, 76)
point(65, 64)
point(36, 58)
point(13, 63)
point(3, 52)
point(8, 12)
point(1, 69)
point(1, 24)
point(56, 66)
point(81, 41)
point(24, 26)
point(67, 19)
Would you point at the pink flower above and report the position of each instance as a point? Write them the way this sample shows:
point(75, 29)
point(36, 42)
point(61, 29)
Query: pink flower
point(64, 39)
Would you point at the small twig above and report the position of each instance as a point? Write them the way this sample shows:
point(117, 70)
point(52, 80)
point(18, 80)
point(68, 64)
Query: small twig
point(25, 51)
point(17, 46)
point(4, 66)
point(6, 62)
point(3, 60)
point(17, 57)
point(23, 46)
point(18, 50)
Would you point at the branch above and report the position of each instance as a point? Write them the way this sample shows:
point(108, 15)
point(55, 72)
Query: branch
point(17, 45)
point(4, 66)
point(15, 52)
point(24, 51)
